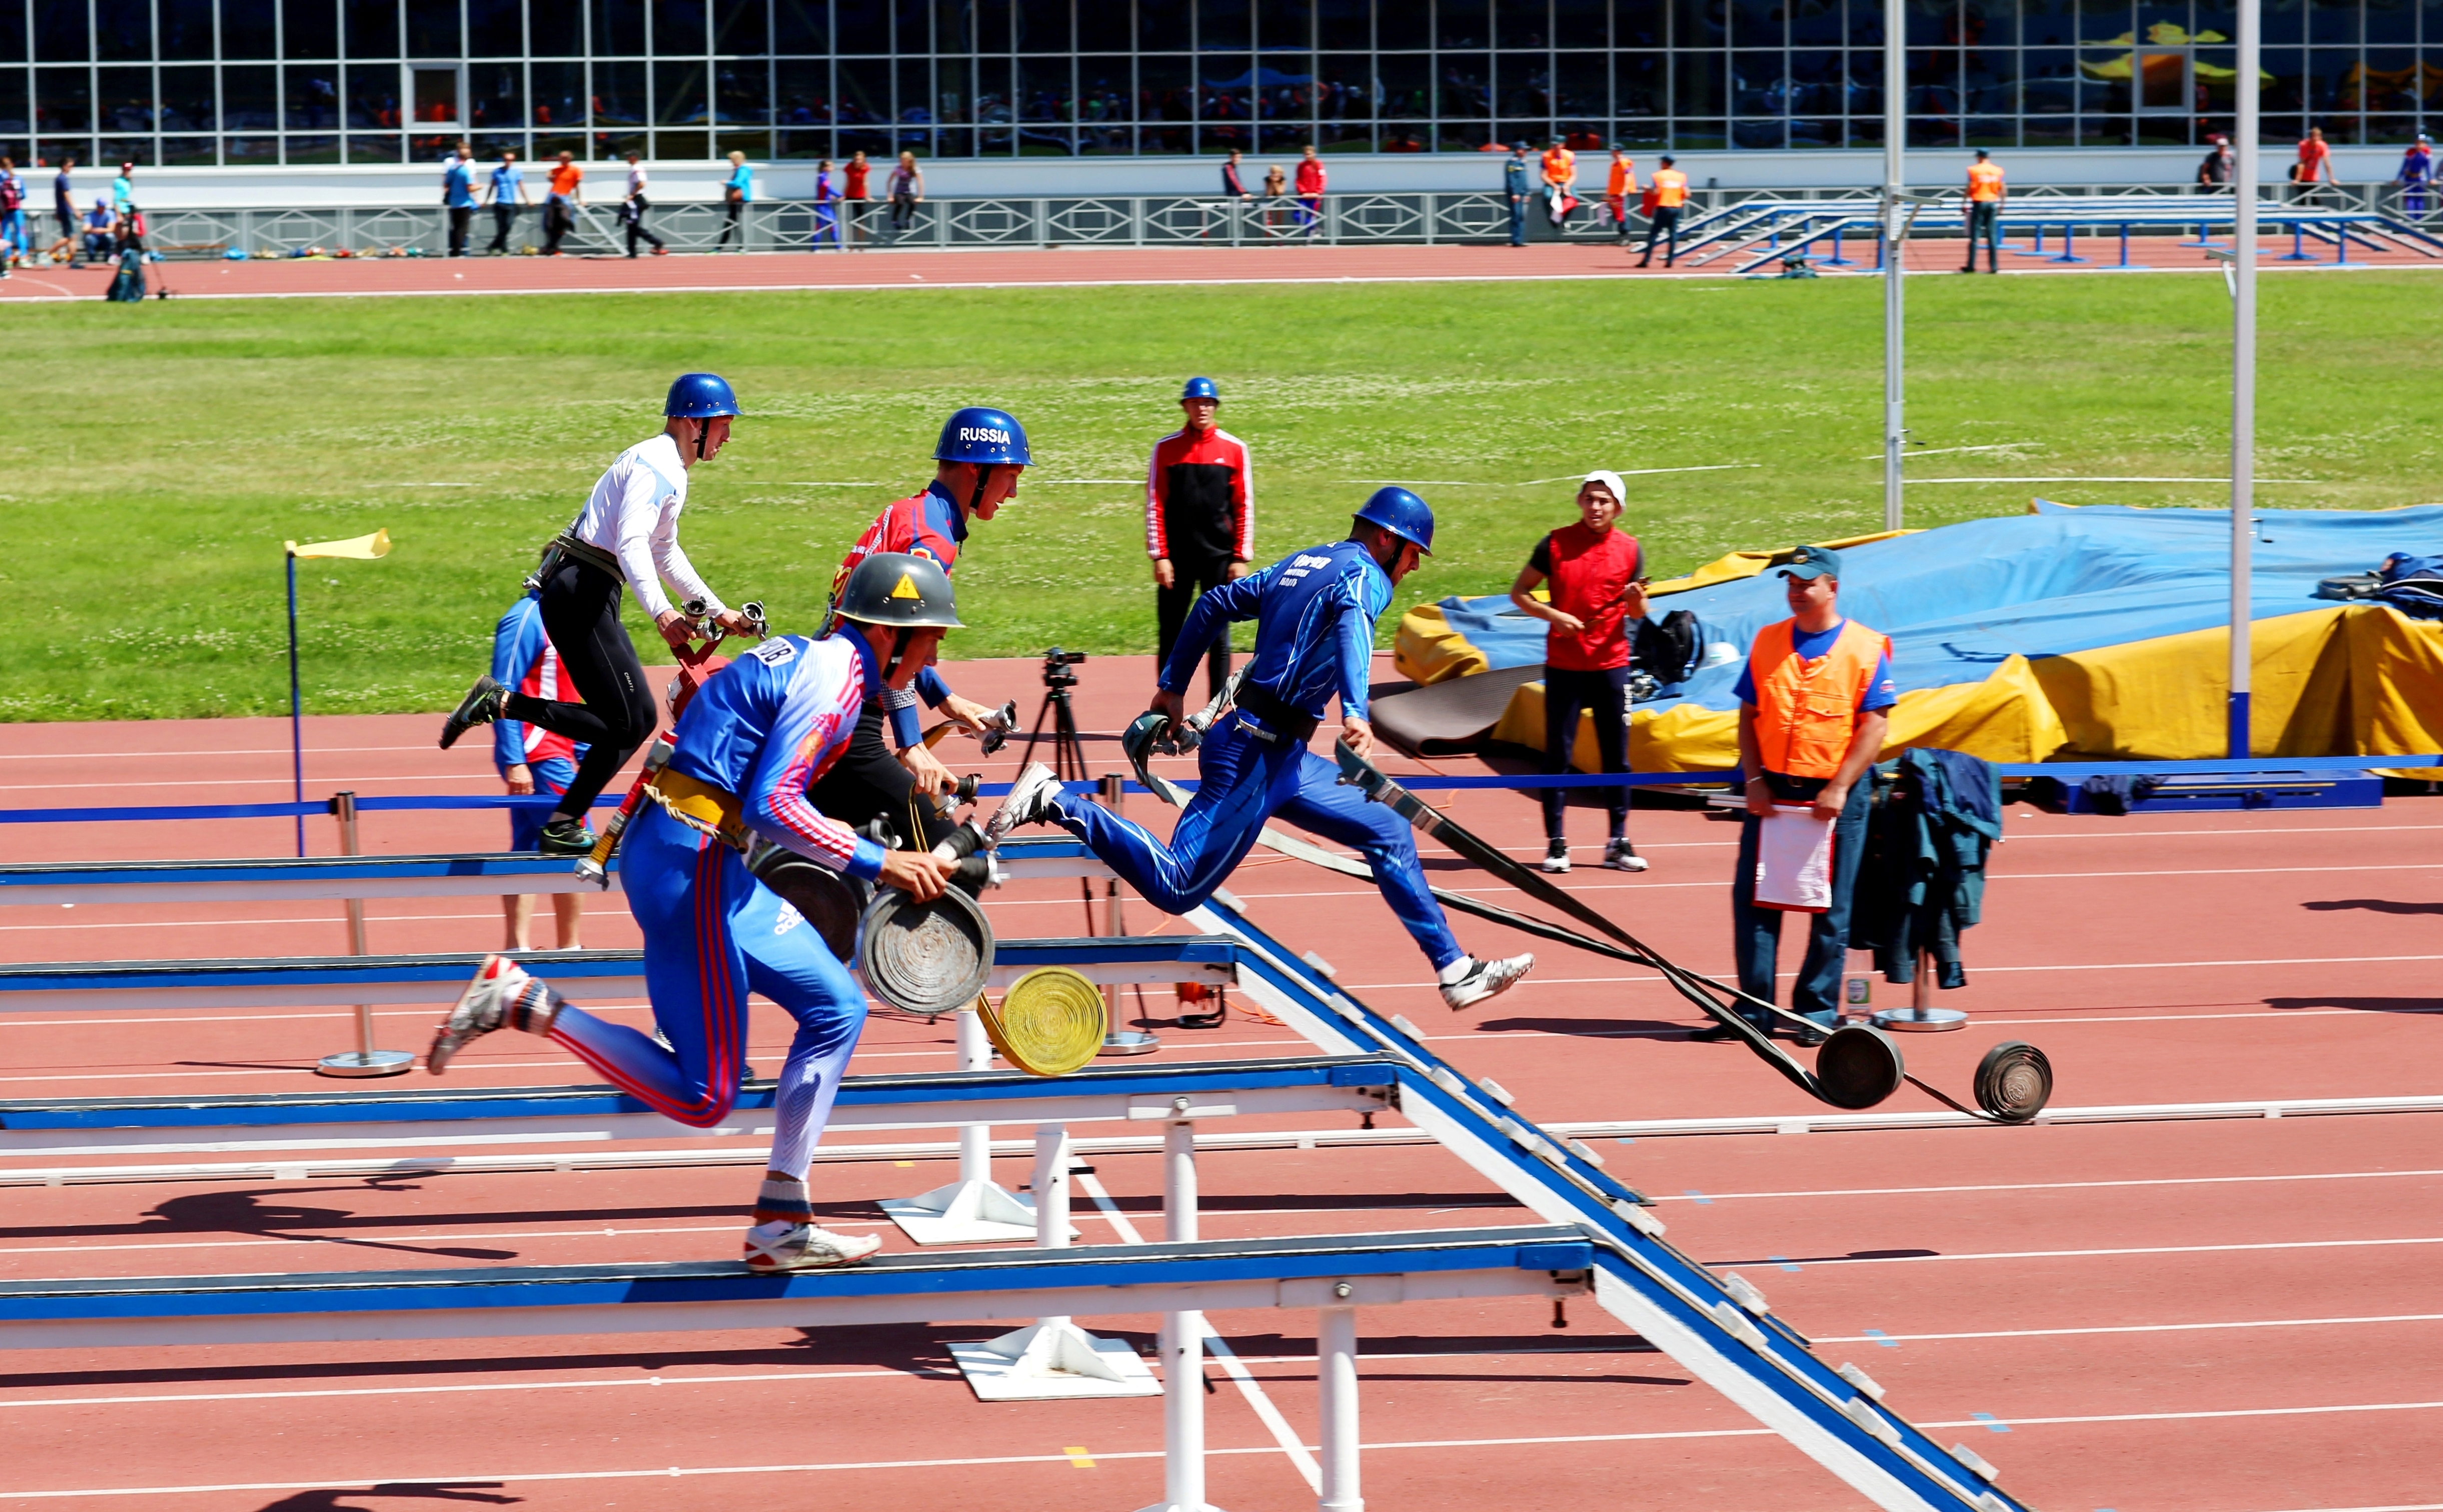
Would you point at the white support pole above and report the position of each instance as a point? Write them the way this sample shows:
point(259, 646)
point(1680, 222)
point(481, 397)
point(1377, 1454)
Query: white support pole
point(975, 1139)
point(970, 1210)
point(2243, 372)
point(1182, 1339)
point(1895, 246)
point(1335, 1349)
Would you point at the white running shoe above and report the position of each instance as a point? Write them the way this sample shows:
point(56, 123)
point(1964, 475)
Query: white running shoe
point(482, 1008)
point(1556, 856)
point(780, 1246)
point(1485, 979)
point(1030, 801)
point(1621, 857)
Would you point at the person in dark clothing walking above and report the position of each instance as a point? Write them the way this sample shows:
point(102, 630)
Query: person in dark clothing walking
point(1515, 186)
point(1199, 521)
point(633, 209)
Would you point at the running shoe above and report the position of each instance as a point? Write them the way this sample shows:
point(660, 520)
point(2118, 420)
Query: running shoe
point(565, 836)
point(481, 706)
point(1556, 856)
point(1032, 800)
point(802, 1247)
point(1485, 979)
point(1620, 855)
point(482, 1008)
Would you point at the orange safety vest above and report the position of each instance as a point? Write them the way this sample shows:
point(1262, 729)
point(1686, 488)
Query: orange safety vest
point(1623, 179)
point(1805, 710)
point(1984, 182)
point(1671, 188)
point(1560, 166)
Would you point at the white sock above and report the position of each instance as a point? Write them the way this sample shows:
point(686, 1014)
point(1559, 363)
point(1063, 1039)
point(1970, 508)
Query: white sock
point(1458, 969)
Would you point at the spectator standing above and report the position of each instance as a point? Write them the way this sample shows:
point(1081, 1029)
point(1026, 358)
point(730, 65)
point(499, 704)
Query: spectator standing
point(1985, 193)
point(560, 207)
point(1560, 167)
point(1311, 179)
point(1619, 184)
point(2315, 164)
point(735, 192)
point(122, 188)
point(12, 216)
point(2214, 173)
point(852, 178)
point(1814, 708)
point(1199, 521)
point(1233, 187)
point(2417, 173)
point(1276, 188)
point(907, 188)
point(1515, 186)
point(532, 758)
point(1597, 574)
point(1669, 193)
point(633, 208)
point(505, 191)
point(826, 206)
point(458, 198)
point(63, 211)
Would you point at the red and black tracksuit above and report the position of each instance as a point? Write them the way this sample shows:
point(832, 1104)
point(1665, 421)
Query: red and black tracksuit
point(1200, 517)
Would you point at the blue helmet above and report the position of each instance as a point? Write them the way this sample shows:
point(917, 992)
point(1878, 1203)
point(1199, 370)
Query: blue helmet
point(1404, 514)
point(700, 397)
point(1201, 388)
point(986, 438)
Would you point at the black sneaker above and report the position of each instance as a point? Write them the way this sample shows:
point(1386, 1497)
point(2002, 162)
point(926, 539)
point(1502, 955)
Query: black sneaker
point(565, 836)
point(1556, 856)
point(1714, 1033)
point(481, 706)
point(1809, 1038)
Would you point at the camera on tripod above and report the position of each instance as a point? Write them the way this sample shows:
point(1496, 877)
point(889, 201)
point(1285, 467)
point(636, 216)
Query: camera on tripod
point(1057, 663)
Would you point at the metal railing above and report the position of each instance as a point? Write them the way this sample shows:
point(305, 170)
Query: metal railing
point(1090, 220)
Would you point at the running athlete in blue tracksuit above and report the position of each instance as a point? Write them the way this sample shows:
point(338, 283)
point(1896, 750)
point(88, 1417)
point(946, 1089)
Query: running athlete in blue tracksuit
point(1314, 615)
point(532, 758)
point(754, 739)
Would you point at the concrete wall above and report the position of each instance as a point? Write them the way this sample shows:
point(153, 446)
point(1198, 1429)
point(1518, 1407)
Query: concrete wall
point(418, 186)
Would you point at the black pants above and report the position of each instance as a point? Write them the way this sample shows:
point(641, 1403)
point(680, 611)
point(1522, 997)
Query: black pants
point(729, 224)
point(1666, 223)
point(1985, 220)
point(459, 217)
point(1604, 695)
point(868, 782)
point(504, 220)
point(1188, 580)
point(580, 613)
point(903, 211)
point(558, 219)
point(636, 219)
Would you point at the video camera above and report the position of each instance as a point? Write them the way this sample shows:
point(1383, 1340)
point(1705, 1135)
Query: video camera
point(1057, 663)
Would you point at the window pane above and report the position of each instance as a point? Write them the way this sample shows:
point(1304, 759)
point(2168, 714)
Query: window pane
point(1523, 84)
point(618, 94)
point(431, 32)
point(1756, 24)
point(2101, 21)
point(312, 94)
point(372, 28)
point(619, 27)
point(60, 31)
point(124, 103)
point(122, 30)
point(1344, 88)
point(1348, 25)
point(864, 86)
point(187, 99)
point(1163, 95)
point(863, 26)
point(1815, 24)
point(2392, 23)
point(1465, 88)
point(739, 28)
point(1757, 87)
point(559, 94)
point(678, 93)
point(743, 92)
point(1638, 84)
point(13, 44)
point(249, 101)
point(1043, 25)
point(191, 151)
point(62, 100)
point(1289, 23)
point(313, 150)
point(495, 29)
point(499, 93)
point(1462, 23)
point(679, 29)
point(802, 26)
point(2333, 21)
point(1696, 82)
point(804, 89)
point(372, 94)
point(1103, 90)
point(1163, 26)
point(1222, 24)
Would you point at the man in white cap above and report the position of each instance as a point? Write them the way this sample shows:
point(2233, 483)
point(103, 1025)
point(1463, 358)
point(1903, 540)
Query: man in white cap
point(1598, 587)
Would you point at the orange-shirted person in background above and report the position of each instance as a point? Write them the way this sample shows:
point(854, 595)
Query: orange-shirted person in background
point(1560, 177)
point(1668, 193)
point(1986, 193)
point(1617, 186)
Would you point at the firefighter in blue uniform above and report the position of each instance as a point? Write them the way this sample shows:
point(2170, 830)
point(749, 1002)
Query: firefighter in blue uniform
point(1314, 615)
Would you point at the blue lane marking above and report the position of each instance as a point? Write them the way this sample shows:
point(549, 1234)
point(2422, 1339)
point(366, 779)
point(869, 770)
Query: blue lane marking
point(1784, 1262)
point(1881, 1338)
point(1993, 1424)
point(1702, 1201)
point(1628, 1141)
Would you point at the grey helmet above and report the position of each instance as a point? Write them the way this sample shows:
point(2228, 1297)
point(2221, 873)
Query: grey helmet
point(902, 591)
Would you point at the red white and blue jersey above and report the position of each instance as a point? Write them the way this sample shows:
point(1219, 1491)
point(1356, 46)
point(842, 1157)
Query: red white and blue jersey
point(769, 725)
point(925, 525)
point(524, 662)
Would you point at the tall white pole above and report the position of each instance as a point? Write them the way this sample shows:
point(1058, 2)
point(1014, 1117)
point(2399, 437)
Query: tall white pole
point(1182, 1340)
point(1895, 171)
point(2243, 370)
point(1336, 1362)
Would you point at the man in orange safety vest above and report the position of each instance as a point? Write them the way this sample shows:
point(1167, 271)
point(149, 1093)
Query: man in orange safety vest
point(1986, 191)
point(1617, 186)
point(1669, 191)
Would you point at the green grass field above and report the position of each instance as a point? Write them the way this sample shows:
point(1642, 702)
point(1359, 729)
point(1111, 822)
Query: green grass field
point(156, 456)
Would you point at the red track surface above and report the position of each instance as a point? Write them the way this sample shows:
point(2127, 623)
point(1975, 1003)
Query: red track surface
point(2189, 1316)
point(291, 278)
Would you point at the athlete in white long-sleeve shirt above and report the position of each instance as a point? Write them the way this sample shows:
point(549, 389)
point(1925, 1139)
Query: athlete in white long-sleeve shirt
point(626, 533)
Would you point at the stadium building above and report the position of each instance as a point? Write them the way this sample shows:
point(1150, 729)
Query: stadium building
point(356, 98)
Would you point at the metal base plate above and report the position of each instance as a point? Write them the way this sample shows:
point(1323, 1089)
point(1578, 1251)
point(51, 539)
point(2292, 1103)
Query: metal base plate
point(975, 1212)
point(1128, 1042)
point(364, 1064)
point(1038, 1364)
point(1921, 1021)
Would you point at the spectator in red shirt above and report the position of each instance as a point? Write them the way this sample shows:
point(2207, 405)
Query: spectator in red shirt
point(1598, 586)
point(1310, 190)
point(854, 191)
point(2315, 163)
point(1199, 521)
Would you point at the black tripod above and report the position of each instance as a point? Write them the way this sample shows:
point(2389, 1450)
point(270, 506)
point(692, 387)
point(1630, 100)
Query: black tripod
point(1068, 765)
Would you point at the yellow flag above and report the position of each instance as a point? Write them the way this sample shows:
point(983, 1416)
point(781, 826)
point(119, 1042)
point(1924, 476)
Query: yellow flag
point(361, 548)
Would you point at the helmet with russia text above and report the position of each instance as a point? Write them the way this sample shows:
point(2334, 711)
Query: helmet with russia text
point(985, 436)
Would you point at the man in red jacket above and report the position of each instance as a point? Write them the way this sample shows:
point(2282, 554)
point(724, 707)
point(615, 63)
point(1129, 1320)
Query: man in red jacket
point(1200, 519)
point(1309, 192)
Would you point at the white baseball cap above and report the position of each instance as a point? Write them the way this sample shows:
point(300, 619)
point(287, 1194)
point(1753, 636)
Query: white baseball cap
point(1610, 479)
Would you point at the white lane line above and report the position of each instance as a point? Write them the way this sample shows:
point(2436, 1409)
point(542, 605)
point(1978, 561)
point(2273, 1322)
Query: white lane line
point(2145, 1249)
point(679, 1472)
point(1231, 1364)
point(913, 1372)
point(137, 789)
point(2048, 1185)
point(2133, 1328)
point(384, 1239)
point(184, 756)
point(2095, 965)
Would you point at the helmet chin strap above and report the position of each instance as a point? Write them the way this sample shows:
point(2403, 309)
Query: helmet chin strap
point(899, 639)
point(702, 433)
point(984, 480)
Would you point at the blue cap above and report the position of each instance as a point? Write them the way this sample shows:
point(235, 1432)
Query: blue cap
point(1401, 513)
point(1807, 564)
point(1201, 388)
point(700, 397)
point(986, 438)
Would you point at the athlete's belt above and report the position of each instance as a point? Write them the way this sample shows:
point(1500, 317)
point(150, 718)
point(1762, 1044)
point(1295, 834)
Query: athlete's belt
point(568, 548)
point(1279, 718)
point(700, 807)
